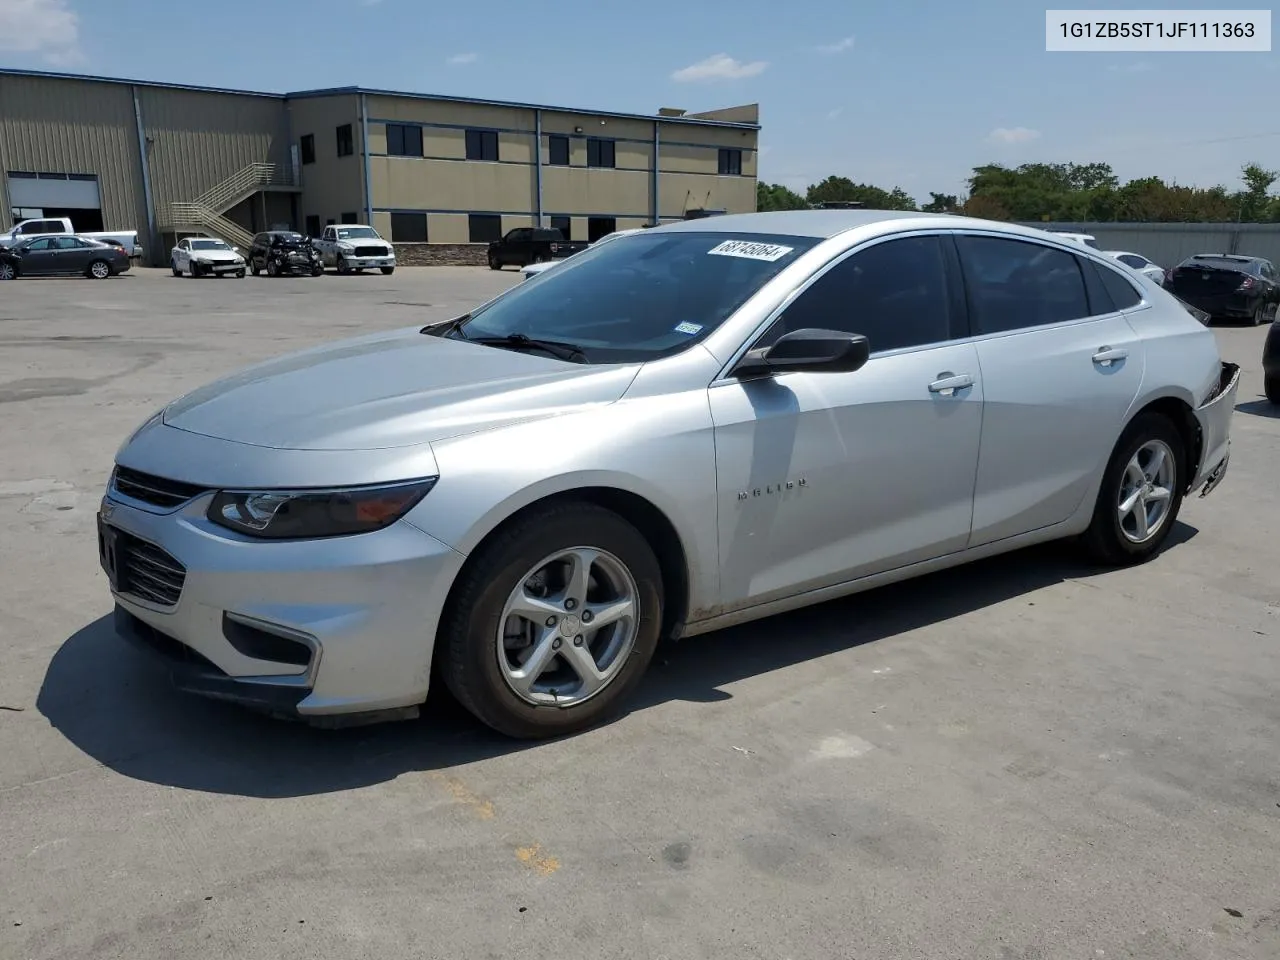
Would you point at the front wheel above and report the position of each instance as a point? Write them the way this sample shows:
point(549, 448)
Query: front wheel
point(387, 271)
point(553, 622)
point(1141, 493)
point(173, 265)
point(317, 270)
point(8, 271)
point(493, 262)
point(99, 270)
point(254, 268)
point(273, 269)
point(240, 274)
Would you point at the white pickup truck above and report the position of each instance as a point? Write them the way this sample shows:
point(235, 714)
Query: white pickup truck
point(354, 247)
point(62, 225)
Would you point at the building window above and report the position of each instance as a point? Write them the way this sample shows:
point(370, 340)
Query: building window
point(404, 140)
point(484, 227)
point(598, 227)
point(351, 218)
point(558, 151)
point(313, 225)
point(600, 153)
point(346, 143)
point(482, 145)
point(409, 228)
point(564, 225)
point(307, 147)
point(730, 163)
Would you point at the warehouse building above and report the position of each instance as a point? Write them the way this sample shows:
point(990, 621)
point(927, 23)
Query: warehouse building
point(437, 175)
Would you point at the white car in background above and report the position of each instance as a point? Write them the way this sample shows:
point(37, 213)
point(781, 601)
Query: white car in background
point(1084, 239)
point(205, 256)
point(1137, 261)
point(532, 270)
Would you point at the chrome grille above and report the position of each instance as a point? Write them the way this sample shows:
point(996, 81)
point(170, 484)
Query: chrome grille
point(148, 488)
point(148, 572)
point(370, 251)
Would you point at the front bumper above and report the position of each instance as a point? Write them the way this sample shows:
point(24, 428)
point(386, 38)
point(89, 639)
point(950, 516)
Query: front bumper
point(304, 628)
point(1214, 418)
point(221, 266)
point(367, 263)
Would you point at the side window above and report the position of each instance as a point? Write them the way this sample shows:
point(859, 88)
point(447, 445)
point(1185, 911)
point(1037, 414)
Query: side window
point(893, 293)
point(1132, 260)
point(1014, 284)
point(43, 244)
point(67, 243)
point(1122, 292)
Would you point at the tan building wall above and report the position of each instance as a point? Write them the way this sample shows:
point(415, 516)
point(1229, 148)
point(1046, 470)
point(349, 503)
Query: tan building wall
point(68, 126)
point(333, 185)
point(196, 140)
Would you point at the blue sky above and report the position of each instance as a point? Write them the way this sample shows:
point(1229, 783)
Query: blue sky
point(911, 93)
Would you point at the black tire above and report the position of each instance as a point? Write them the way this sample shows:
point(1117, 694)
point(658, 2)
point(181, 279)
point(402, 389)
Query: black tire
point(273, 269)
point(1104, 542)
point(1260, 313)
point(470, 625)
point(173, 265)
point(8, 271)
point(240, 274)
point(387, 271)
point(493, 262)
point(98, 270)
point(254, 268)
point(1271, 387)
point(341, 265)
point(317, 271)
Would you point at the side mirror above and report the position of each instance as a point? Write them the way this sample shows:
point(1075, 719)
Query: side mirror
point(822, 351)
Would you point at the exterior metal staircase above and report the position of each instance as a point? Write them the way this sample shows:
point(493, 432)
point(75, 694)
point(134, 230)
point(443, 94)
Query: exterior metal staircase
point(205, 212)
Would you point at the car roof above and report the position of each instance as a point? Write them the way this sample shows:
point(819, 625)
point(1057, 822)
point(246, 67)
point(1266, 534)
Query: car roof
point(824, 224)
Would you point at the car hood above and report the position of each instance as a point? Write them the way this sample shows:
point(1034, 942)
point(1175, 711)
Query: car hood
point(391, 390)
point(216, 255)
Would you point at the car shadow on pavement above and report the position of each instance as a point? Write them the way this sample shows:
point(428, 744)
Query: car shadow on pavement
point(1260, 408)
point(117, 706)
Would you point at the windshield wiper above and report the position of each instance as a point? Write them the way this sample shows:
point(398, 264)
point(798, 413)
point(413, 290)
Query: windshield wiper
point(557, 348)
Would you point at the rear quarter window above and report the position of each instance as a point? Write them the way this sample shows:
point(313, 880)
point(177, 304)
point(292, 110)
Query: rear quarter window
point(1123, 294)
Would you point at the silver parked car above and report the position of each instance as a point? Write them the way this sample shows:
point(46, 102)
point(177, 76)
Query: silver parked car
point(685, 428)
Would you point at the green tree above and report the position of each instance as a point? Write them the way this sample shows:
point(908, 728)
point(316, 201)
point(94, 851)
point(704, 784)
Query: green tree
point(843, 189)
point(942, 203)
point(1253, 201)
point(774, 196)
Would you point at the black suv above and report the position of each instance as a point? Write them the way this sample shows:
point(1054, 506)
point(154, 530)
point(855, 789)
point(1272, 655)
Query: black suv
point(1226, 285)
point(281, 252)
point(525, 245)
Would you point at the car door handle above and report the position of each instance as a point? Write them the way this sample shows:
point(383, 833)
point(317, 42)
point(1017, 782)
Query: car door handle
point(1109, 355)
point(948, 383)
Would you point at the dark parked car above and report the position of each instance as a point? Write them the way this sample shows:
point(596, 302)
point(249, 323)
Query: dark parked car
point(525, 245)
point(281, 252)
point(1271, 363)
point(62, 256)
point(1228, 286)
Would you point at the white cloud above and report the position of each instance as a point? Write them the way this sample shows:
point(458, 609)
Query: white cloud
point(460, 58)
point(48, 28)
point(832, 114)
point(840, 46)
point(1012, 135)
point(719, 66)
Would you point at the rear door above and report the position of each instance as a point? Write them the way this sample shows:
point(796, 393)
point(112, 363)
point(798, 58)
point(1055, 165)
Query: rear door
point(1061, 367)
point(75, 254)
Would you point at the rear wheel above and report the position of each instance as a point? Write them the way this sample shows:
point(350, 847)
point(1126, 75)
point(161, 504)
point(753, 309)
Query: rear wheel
point(1141, 493)
point(388, 271)
point(1260, 313)
point(553, 623)
point(1270, 384)
point(99, 270)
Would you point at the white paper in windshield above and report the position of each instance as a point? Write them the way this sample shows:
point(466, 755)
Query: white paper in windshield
point(750, 251)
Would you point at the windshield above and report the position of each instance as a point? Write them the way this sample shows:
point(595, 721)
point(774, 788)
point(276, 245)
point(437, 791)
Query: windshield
point(358, 233)
point(208, 245)
point(640, 297)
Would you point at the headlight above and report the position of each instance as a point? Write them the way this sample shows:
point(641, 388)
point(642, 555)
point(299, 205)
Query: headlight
point(301, 514)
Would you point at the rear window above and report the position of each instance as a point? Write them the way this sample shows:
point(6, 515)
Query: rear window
point(640, 297)
point(1218, 263)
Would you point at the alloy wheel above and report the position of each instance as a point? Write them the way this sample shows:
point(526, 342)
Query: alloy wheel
point(7, 272)
point(1146, 491)
point(99, 270)
point(568, 627)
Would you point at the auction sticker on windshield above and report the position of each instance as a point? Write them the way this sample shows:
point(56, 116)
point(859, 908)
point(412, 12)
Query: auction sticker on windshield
point(750, 251)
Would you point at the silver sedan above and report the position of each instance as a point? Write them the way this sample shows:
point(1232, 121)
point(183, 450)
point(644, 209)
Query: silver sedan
point(682, 429)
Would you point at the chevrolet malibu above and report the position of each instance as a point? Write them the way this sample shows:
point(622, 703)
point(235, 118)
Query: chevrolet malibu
point(693, 426)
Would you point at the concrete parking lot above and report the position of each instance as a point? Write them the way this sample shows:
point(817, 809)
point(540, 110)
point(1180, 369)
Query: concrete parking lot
point(1025, 759)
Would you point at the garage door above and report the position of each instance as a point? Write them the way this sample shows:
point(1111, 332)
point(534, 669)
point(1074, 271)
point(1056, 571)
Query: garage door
point(42, 194)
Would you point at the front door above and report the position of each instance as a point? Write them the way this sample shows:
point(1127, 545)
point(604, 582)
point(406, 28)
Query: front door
point(1061, 368)
point(40, 258)
point(827, 477)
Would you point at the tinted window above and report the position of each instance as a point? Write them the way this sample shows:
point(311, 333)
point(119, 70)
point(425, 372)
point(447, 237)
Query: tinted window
point(403, 140)
point(1121, 291)
point(68, 243)
point(345, 142)
point(1017, 283)
point(730, 163)
point(409, 227)
point(520, 235)
point(640, 297)
point(893, 293)
point(558, 151)
point(44, 244)
point(484, 227)
point(601, 153)
point(482, 145)
point(1132, 260)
